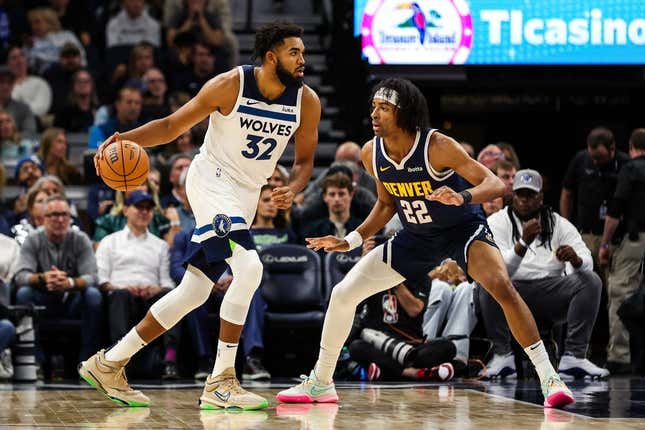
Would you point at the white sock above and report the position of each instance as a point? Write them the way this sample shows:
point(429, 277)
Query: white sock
point(325, 366)
point(539, 357)
point(129, 345)
point(225, 357)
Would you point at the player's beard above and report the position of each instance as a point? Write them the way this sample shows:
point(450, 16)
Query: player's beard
point(286, 78)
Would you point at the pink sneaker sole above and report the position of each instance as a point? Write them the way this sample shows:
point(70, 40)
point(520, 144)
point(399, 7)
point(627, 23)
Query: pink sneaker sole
point(329, 398)
point(558, 400)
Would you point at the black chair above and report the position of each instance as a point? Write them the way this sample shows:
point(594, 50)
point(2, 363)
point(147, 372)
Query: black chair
point(337, 264)
point(293, 291)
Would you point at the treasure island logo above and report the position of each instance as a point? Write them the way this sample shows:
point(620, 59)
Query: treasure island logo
point(420, 32)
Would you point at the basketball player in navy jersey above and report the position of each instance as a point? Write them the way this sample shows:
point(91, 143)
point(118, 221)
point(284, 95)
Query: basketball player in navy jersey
point(436, 188)
point(253, 113)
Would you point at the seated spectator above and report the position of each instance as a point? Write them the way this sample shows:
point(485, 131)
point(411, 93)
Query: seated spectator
point(509, 153)
point(14, 146)
point(6, 215)
point(141, 60)
point(451, 310)
point(350, 152)
point(337, 191)
point(489, 155)
point(552, 270)
point(270, 226)
point(115, 220)
point(468, 148)
point(179, 59)
point(132, 25)
point(182, 213)
point(21, 113)
point(314, 207)
point(387, 339)
point(59, 75)
point(155, 103)
point(48, 39)
point(28, 171)
point(177, 164)
point(279, 178)
point(69, 290)
point(195, 19)
point(127, 116)
point(492, 206)
point(100, 199)
point(177, 99)
point(205, 66)
point(53, 153)
point(197, 319)
point(76, 16)
point(77, 114)
point(505, 170)
point(8, 265)
point(133, 267)
point(35, 218)
point(32, 90)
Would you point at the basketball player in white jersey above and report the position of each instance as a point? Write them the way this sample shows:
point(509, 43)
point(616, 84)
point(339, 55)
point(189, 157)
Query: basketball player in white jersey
point(254, 112)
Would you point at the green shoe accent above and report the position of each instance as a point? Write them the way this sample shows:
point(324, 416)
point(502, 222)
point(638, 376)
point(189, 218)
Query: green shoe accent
point(90, 381)
point(114, 399)
point(208, 407)
point(232, 244)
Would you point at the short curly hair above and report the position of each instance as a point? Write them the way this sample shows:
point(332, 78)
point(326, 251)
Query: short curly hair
point(412, 113)
point(271, 35)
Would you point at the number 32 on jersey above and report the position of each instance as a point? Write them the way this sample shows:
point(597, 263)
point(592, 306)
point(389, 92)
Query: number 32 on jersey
point(416, 212)
point(256, 144)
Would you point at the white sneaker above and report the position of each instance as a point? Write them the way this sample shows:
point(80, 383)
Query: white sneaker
point(6, 366)
point(577, 368)
point(500, 366)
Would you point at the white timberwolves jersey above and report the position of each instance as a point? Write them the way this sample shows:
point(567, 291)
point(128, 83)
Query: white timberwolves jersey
point(248, 142)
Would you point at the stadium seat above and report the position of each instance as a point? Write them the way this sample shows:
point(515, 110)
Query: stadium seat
point(292, 289)
point(337, 264)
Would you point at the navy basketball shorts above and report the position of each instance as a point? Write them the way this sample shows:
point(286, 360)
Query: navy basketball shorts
point(413, 256)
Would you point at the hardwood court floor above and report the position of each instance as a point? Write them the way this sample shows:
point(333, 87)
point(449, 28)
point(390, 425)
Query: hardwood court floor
point(469, 405)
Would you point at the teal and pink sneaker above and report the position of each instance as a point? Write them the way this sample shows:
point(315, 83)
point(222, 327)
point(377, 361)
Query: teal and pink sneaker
point(310, 390)
point(556, 393)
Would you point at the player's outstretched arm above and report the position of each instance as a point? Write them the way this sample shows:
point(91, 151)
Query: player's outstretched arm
point(380, 214)
point(306, 141)
point(445, 153)
point(220, 93)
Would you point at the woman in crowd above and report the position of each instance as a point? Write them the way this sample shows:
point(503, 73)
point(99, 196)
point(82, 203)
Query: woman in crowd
point(53, 154)
point(13, 145)
point(77, 115)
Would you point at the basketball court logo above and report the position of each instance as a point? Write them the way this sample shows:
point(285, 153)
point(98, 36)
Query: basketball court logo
point(419, 32)
point(221, 225)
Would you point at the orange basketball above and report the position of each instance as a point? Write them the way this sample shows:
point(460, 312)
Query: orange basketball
point(124, 165)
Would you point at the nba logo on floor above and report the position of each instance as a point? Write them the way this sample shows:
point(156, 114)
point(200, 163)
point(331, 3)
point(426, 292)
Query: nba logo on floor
point(221, 225)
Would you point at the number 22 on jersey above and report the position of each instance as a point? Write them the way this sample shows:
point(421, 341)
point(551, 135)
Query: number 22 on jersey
point(416, 212)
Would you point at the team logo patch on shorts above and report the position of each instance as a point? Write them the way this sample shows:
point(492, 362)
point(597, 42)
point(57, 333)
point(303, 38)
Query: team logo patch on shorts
point(221, 225)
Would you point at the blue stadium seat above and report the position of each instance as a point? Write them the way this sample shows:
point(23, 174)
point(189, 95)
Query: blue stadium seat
point(292, 288)
point(337, 264)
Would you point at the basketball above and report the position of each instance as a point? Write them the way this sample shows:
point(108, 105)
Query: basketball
point(124, 165)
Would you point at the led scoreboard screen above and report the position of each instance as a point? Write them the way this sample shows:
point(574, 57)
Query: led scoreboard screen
point(504, 32)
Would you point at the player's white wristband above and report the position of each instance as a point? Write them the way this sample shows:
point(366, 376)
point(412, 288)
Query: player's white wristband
point(354, 239)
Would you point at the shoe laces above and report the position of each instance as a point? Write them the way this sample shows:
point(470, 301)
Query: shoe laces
point(230, 384)
point(554, 381)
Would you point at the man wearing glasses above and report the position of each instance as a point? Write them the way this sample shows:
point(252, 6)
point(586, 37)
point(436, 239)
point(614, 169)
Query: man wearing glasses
point(134, 272)
point(57, 269)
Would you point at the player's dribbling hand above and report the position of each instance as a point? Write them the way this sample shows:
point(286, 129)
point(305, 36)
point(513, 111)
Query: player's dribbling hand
point(328, 243)
point(99, 152)
point(282, 197)
point(447, 196)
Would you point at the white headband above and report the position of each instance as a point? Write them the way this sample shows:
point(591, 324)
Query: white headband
point(389, 95)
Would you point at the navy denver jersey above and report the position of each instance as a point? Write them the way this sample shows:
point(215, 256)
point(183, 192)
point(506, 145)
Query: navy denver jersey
point(412, 179)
